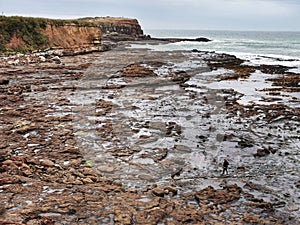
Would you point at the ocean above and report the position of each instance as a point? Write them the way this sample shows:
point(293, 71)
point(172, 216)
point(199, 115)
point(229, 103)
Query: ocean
point(257, 47)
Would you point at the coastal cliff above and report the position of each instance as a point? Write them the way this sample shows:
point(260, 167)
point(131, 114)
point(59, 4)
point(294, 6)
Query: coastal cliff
point(125, 28)
point(23, 34)
point(70, 36)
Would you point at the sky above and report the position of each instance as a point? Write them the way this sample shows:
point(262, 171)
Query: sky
point(268, 15)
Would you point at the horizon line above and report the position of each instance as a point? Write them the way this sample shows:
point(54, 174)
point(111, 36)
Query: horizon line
point(217, 29)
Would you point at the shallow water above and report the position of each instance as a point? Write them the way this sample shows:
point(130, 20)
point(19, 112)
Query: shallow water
point(156, 126)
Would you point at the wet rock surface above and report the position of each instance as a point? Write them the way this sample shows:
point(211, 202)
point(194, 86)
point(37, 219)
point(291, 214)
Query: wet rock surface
point(132, 136)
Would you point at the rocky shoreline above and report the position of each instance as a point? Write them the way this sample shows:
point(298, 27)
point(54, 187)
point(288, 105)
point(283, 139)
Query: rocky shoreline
point(132, 136)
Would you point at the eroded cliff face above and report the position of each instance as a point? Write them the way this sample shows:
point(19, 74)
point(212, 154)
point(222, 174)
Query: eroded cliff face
point(121, 26)
point(72, 36)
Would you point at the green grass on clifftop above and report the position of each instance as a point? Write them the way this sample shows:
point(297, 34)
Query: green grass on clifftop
point(29, 29)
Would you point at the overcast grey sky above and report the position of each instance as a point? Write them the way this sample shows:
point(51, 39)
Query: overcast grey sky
point(171, 14)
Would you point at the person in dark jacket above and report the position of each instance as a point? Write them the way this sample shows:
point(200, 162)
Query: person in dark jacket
point(225, 166)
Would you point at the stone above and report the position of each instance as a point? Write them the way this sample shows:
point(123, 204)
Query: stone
point(27, 173)
point(87, 180)
point(262, 152)
point(176, 171)
point(182, 148)
point(2, 210)
point(251, 219)
point(56, 59)
point(158, 192)
point(293, 207)
point(122, 218)
point(46, 162)
point(171, 190)
point(146, 177)
point(88, 171)
point(7, 162)
point(297, 184)
point(244, 143)
point(4, 81)
point(79, 182)
point(55, 216)
point(106, 169)
point(180, 76)
point(42, 58)
point(132, 190)
point(117, 183)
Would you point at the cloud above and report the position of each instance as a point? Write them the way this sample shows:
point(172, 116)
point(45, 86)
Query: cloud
point(196, 14)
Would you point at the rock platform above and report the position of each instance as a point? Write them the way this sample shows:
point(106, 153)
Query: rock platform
point(133, 136)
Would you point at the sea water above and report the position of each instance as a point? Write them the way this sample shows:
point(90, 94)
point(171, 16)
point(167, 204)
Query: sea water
point(257, 47)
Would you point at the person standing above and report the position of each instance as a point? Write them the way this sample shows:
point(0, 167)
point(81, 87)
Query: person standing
point(225, 166)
